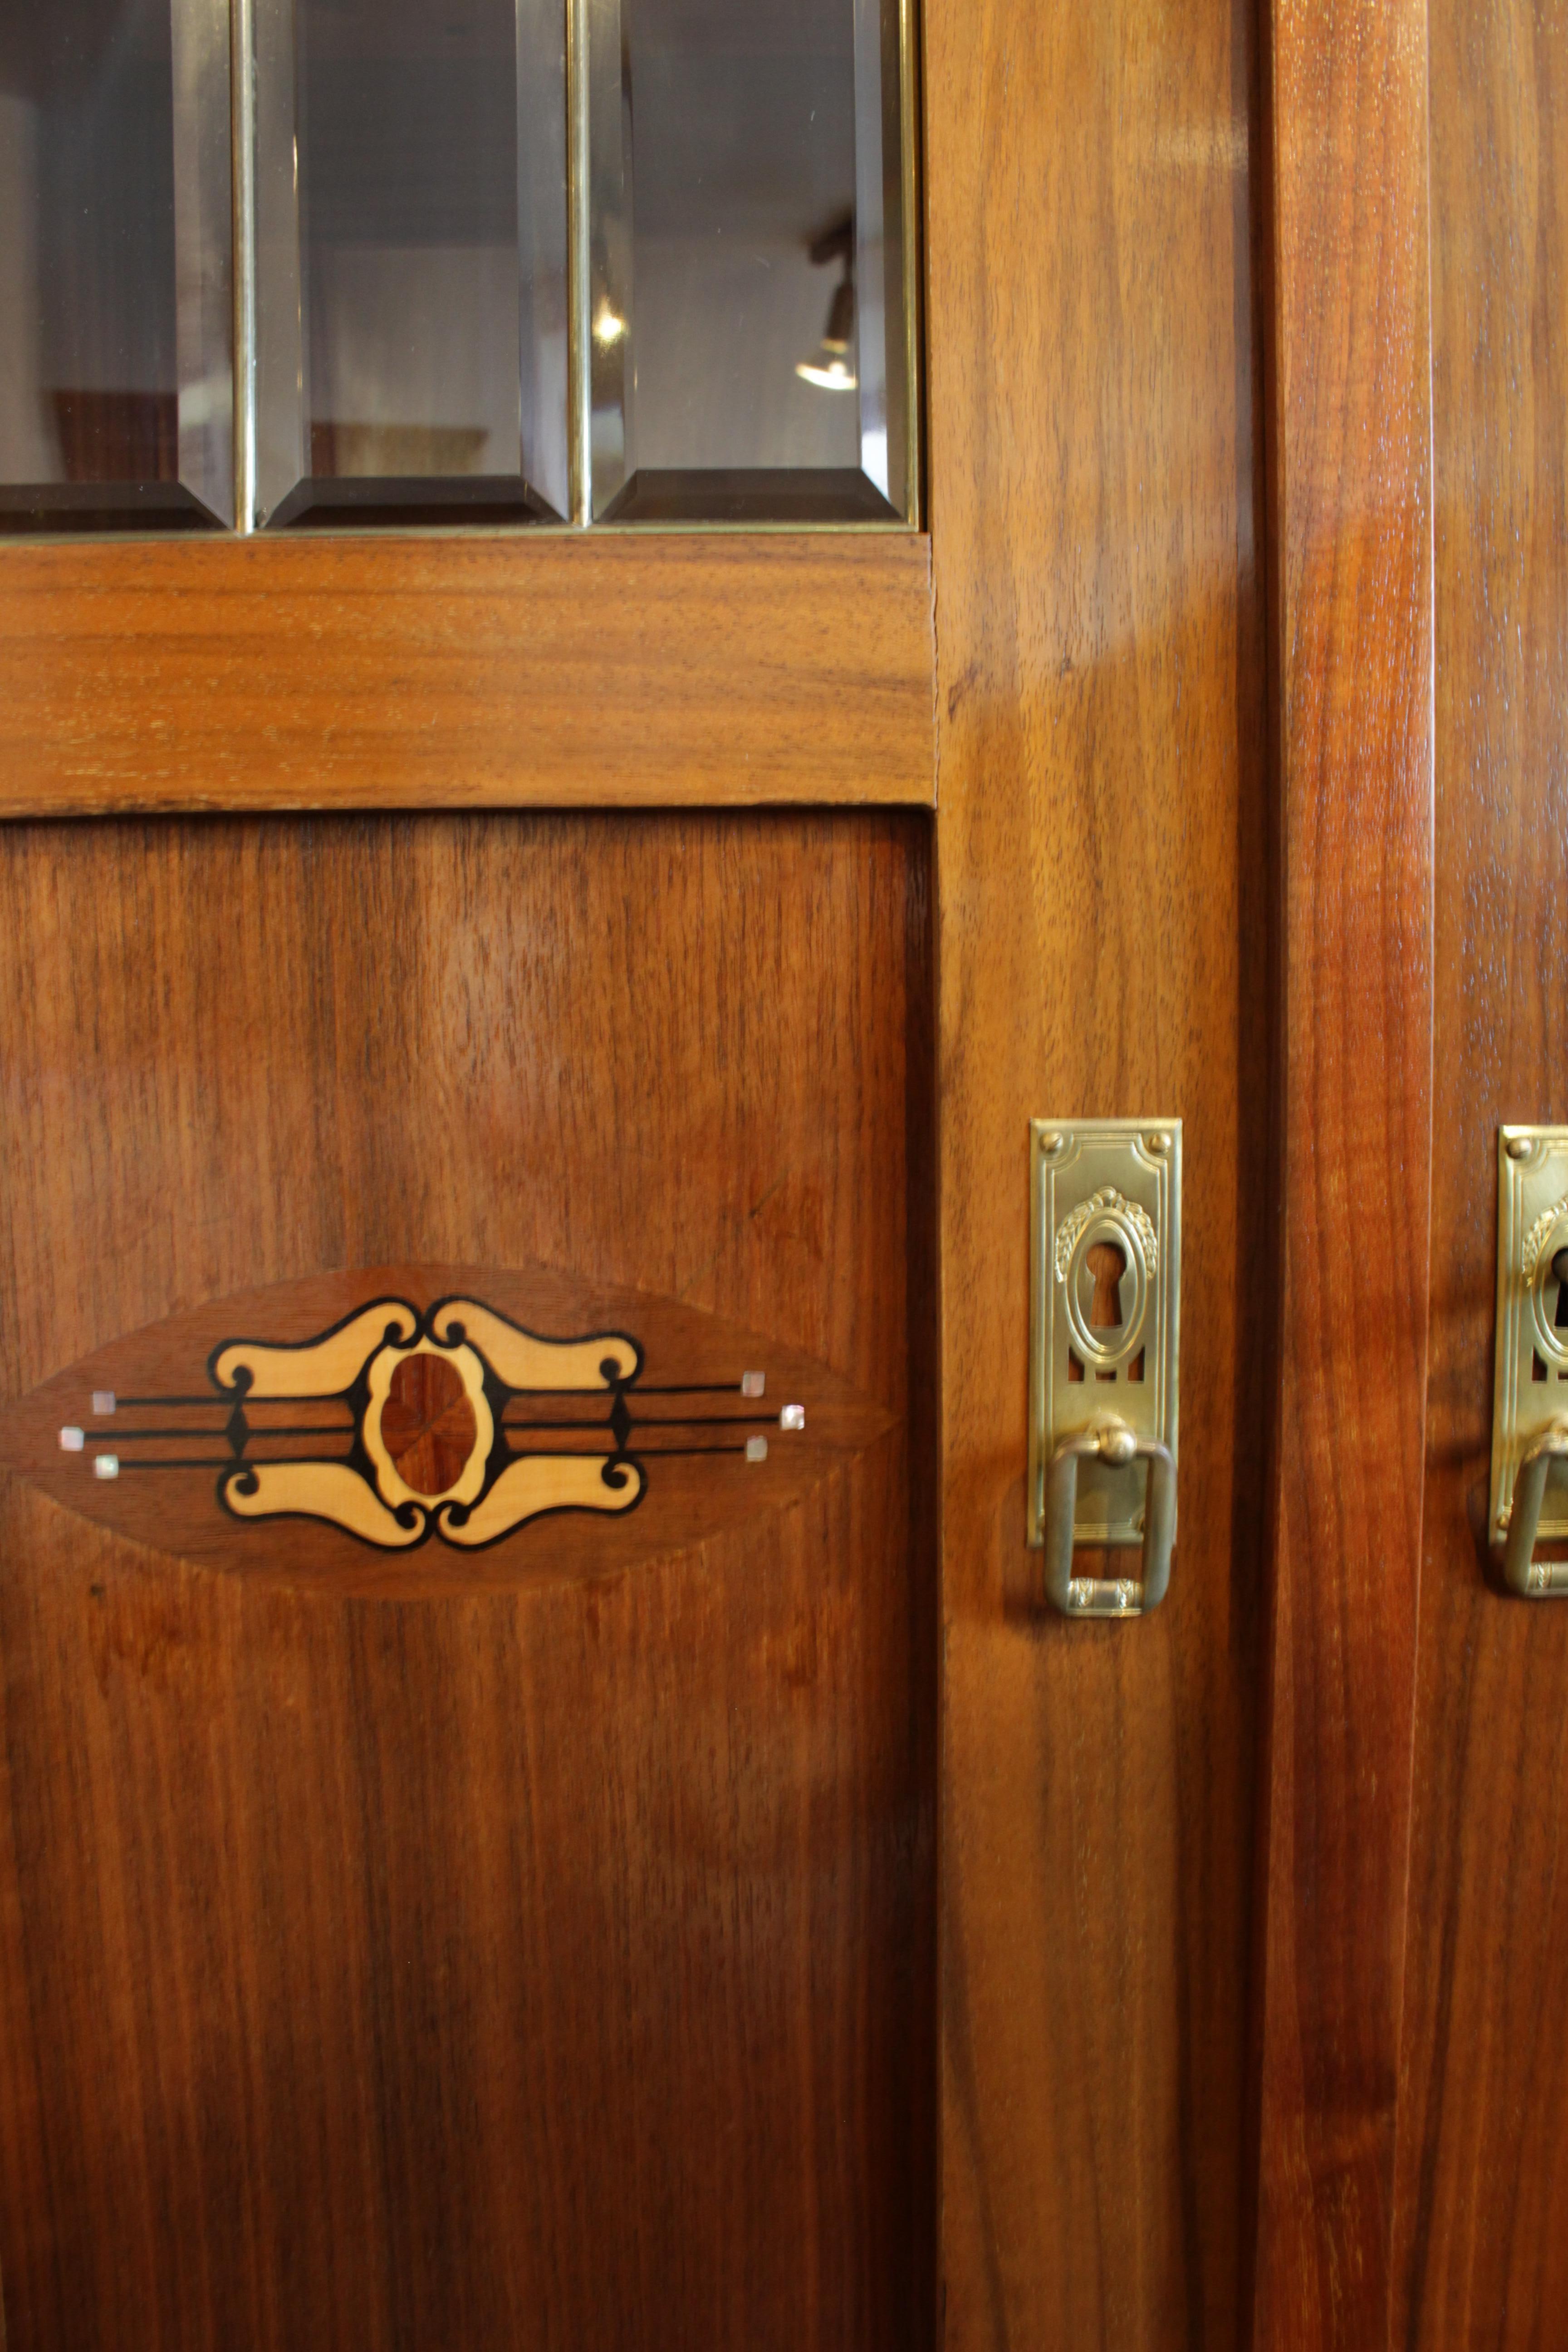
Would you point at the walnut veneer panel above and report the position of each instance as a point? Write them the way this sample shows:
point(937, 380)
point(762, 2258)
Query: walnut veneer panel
point(493, 1966)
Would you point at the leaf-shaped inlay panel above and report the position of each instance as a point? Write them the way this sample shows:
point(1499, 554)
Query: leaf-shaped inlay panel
point(417, 1429)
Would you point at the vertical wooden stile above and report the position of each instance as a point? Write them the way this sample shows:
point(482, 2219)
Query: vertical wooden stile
point(1351, 616)
point(1481, 2207)
point(1103, 908)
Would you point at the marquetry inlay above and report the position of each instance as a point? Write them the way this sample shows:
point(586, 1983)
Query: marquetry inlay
point(427, 1424)
point(433, 1411)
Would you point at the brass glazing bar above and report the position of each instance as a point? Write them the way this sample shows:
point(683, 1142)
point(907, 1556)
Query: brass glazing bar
point(242, 101)
point(579, 290)
point(909, 121)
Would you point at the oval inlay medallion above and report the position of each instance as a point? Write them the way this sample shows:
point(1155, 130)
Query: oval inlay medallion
point(397, 1430)
point(427, 1424)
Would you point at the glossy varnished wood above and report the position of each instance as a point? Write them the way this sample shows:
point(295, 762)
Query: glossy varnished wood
point(1482, 2209)
point(465, 672)
point(545, 1967)
point(1101, 717)
point(1351, 616)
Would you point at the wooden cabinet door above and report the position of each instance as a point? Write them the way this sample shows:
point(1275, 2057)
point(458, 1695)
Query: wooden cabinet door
point(691, 1895)
point(1413, 2100)
point(663, 944)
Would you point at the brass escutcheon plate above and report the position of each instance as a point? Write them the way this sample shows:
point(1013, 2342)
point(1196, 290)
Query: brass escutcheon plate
point(1106, 1249)
point(1530, 1388)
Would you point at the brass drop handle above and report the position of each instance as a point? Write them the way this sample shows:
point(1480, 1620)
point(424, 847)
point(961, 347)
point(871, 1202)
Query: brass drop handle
point(1086, 1596)
point(1524, 1574)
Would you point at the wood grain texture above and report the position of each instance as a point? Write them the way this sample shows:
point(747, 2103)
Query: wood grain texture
point(465, 672)
point(1352, 593)
point(547, 1967)
point(1482, 2205)
point(1093, 497)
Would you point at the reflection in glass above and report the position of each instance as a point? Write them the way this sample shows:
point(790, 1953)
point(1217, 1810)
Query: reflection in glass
point(410, 298)
point(747, 276)
point(116, 309)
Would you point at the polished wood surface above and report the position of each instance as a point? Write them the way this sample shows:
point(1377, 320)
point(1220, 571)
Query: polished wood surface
point(1093, 501)
point(465, 672)
point(547, 1967)
point(1482, 2209)
point(1352, 629)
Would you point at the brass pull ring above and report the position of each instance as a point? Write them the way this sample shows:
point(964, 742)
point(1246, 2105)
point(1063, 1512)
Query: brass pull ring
point(1086, 1596)
point(1535, 1580)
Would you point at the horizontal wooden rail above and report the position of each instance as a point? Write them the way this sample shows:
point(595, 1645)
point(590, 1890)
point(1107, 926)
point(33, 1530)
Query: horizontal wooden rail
point(319, 673)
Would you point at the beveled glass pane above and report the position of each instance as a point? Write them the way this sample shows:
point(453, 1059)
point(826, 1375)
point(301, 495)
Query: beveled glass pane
point(410, 327)
point(748, 273)
point(116, 304)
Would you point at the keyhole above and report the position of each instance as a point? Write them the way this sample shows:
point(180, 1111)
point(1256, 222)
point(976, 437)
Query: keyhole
point(1107, 1263)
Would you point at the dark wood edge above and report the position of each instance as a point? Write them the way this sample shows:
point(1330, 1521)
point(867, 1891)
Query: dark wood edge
point(466, 671)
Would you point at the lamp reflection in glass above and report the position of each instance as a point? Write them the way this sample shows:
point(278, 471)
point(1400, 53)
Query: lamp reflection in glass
point(832, 371)
point(735, 150)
